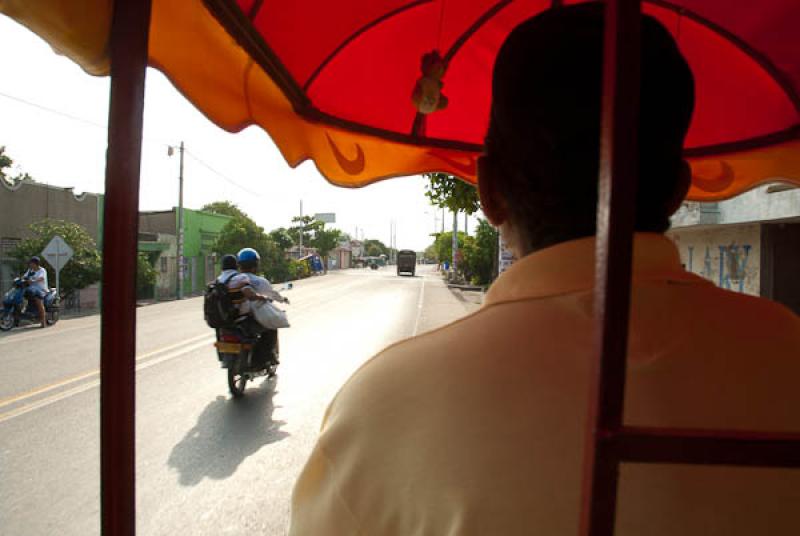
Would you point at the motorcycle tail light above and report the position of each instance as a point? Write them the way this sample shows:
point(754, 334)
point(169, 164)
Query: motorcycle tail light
point(229, 338)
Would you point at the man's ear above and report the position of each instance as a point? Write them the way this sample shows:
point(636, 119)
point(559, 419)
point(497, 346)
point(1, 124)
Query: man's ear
point(493, 204)
point(681, 188)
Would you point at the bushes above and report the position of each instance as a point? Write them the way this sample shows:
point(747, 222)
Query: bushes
point(479, 253)
point(146, 276)
point(298, 270)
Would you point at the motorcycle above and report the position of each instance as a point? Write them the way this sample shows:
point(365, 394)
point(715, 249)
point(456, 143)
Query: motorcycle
point(235, 347)
point(235, 352)
point(19, 311)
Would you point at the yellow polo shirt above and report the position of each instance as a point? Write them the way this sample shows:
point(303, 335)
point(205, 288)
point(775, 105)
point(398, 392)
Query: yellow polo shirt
point(477, 428)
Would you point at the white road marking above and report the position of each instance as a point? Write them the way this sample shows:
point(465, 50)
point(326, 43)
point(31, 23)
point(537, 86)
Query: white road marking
point(61, 383)
point(96, 382)
point(420, 304)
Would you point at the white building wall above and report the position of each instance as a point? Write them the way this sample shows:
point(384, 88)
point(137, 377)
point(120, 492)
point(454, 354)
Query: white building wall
point(755, 205)
point(759, 205)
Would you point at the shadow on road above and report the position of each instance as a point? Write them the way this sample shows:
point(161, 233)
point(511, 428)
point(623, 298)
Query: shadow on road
point(226, 433)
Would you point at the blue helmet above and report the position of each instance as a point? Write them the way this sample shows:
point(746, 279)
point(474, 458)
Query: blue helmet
point(248, 255)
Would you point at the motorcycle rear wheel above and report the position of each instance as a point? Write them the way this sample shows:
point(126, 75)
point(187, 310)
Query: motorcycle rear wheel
point(236, 382)
point(6, 321)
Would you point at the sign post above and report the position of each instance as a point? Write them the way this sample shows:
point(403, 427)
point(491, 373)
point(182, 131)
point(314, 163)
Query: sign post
point(58, 253)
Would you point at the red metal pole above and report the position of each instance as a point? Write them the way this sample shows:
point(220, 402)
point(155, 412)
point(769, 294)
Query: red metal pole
point(128, 46)
point(615, 224)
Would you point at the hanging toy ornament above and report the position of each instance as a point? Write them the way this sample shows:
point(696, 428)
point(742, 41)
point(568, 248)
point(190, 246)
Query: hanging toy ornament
point(427, 96)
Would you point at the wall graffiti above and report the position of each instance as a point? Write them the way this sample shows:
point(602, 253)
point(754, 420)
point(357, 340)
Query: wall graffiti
point(733, 265)
point(728, 256)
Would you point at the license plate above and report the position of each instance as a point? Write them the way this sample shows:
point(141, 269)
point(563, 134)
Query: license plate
point(228, 347)
point(231, 347)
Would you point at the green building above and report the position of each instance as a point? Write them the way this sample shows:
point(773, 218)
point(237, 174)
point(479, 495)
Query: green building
point(158, 238)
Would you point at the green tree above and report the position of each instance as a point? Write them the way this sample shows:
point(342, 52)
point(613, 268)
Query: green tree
point(325, 240)
point(443, 245)
point(6, 163)
point(226, 208)
point(307, 225)
point(282, 238)
point(479, 254)
point(447, 191)
point(242, 232)
point(430, 253)
point(375, 248)
point(146, 276)
point(84, 267)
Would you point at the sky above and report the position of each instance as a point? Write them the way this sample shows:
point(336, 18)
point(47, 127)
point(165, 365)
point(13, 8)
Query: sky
point(64, 144)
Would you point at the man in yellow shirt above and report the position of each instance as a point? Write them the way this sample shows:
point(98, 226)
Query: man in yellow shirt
point(477, 428)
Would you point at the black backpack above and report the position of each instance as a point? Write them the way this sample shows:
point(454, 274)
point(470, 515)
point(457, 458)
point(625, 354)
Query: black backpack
point(219, 308)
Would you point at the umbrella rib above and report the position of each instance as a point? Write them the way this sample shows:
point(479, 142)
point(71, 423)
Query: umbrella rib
point(739, 43)
point(474, 27)
point(756, 142)
point(352, 37)
point(255, 9)
point(241, 29)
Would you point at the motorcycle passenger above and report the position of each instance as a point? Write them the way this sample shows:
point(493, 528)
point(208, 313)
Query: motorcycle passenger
point(256, 288)
point(230, 268)
point(36, 286)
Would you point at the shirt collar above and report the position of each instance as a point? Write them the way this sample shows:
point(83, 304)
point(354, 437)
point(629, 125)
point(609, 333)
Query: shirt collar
point(569, 267)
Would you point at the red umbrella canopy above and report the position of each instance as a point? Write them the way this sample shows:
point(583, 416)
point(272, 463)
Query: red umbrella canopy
point(370, 89)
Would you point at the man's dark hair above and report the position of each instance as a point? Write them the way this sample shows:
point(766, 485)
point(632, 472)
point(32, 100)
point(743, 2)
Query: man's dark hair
point(542, 144)
point(229, 262)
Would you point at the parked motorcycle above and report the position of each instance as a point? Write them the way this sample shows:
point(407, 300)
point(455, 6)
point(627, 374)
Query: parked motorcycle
point(19, 311)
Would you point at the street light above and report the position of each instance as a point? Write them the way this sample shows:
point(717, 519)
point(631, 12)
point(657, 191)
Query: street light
point(435, 220)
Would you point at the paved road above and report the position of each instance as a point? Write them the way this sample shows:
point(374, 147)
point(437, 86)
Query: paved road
point(206, 464)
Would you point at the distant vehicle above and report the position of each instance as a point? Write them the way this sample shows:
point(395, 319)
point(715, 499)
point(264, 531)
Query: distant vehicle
point(314, 263)
point(406, 262)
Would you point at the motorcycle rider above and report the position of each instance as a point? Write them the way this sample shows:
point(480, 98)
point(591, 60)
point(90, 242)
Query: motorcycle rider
point(36, 286)
point(230, 267)
point(256, 288)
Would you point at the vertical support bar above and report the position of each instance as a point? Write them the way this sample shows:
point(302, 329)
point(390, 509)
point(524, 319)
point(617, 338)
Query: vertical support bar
point(128, 45)
point(615, 224)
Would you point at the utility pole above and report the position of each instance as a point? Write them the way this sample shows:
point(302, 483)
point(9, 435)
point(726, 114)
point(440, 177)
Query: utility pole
point(302, 228)
point(455, 240)
point(181, 260)
point(466, 224)
point(443, 220)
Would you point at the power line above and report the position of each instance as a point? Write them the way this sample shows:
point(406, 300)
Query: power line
point(222, 175)
point(54, 111)
point(146, 139)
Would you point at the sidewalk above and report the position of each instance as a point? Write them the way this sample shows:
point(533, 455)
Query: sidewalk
point(440, 305)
